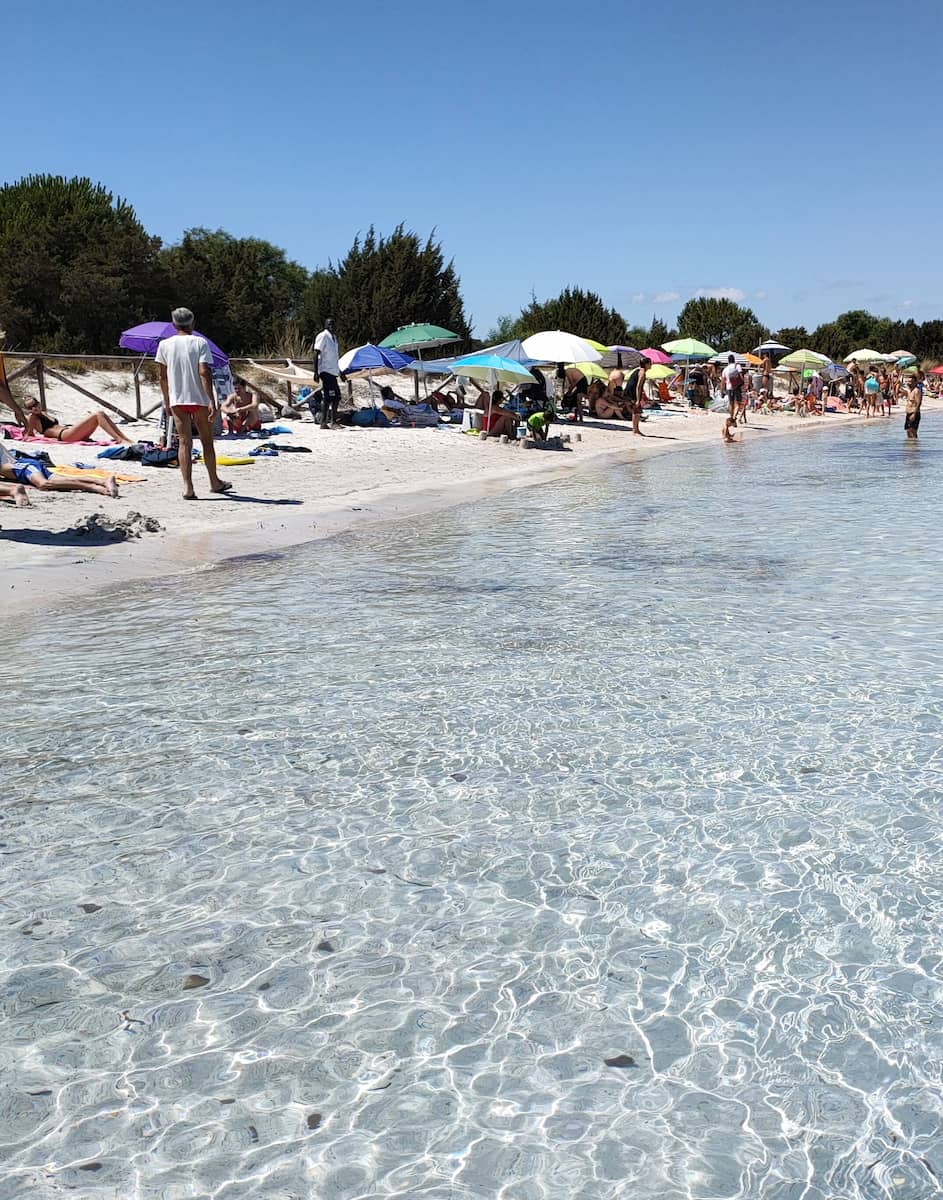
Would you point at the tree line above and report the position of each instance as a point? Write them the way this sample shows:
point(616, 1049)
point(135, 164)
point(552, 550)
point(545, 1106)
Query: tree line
point(78, 267)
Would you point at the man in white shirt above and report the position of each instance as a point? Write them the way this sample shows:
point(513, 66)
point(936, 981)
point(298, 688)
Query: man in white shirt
point(327, 369)
point(185, 363)
point(733, 385)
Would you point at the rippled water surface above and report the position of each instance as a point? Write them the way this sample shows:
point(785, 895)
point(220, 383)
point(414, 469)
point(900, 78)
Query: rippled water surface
point(583, 842)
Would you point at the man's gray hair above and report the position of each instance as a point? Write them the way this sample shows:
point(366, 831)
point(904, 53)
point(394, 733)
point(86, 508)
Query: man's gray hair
point(182, 318)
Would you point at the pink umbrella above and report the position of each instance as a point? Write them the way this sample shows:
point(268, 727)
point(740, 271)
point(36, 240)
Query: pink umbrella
point(657, 356)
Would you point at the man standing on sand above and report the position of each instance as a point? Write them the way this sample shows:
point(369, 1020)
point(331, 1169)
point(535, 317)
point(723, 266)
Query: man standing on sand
point(185, 364)
point(326, 368)
point(635, 394)
point(914, 403)
point(733, 385)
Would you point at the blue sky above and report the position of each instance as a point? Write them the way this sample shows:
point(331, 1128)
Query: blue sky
point(788, 156)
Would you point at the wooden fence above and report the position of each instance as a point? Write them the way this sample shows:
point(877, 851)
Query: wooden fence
point(37, 365)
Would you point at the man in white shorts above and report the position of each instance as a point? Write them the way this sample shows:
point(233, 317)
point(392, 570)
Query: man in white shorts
point(185, 363)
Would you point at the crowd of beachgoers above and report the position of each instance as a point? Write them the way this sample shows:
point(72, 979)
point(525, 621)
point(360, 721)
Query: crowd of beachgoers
point(532, 405)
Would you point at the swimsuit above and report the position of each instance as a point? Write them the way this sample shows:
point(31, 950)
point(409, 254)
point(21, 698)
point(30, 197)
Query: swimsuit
point(23, 471)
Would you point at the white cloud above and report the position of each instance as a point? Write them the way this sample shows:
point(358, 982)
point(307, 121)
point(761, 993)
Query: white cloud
point(665, 297)
point(906, 304)
point(638, 298)
point(761, 295)
point(724, 293)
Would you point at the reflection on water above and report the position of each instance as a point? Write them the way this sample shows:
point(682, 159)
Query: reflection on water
point(584, 842)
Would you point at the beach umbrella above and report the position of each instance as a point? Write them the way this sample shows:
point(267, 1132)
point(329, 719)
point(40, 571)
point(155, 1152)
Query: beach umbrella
point(557, 346)
point(803, 358)
point(936, 371)
point(905, 360)
point(660, 371)
point(418, 337)
point(771, 347)
point(619, 357)
point(373, 358)
point(688, 348)
point(864, 356)
point(589, 370)
point(493, 369)
point(684, 349)
point(656, 356)
point(740, 359)
point(754, 360)
point(901, 354)
point(144, 339)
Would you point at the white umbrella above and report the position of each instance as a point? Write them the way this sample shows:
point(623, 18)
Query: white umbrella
point(772, 347)
point(865, 356)
point(740, 359)
point(556, 346)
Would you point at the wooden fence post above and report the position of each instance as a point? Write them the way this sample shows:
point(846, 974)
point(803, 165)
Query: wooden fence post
point(41, 382)
point(137, 391)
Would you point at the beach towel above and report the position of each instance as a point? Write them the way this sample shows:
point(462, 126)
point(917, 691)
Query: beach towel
point(86, 472)
point(18, 435)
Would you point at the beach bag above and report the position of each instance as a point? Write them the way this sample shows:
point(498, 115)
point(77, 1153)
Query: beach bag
point(158, 457)
point(365, 417)
point(734, 380)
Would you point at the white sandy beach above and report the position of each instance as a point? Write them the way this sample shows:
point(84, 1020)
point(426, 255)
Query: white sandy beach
point(353, 477)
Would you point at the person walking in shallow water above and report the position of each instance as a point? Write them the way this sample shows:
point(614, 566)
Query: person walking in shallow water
point(185, 364)
point(914, 404)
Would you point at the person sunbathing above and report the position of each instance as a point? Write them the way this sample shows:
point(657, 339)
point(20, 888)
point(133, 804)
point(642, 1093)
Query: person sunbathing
point(241, 410)
point(33, 473)
point(40, 423)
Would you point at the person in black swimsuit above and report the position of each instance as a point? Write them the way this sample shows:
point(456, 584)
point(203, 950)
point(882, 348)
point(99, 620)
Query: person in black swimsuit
point(43, 424)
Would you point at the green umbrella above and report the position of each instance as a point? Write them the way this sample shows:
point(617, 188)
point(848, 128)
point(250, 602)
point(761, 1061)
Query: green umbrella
point(803, 358)
point(689, 348)
point(419, 337)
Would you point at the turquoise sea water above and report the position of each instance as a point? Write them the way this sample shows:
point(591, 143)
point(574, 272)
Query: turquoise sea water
point(342, 874)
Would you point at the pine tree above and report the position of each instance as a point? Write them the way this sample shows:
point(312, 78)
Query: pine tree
point(383, 283)
point(575, 311)
point(78, 266)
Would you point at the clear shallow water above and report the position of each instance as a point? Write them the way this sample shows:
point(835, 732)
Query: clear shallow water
point(643, 764)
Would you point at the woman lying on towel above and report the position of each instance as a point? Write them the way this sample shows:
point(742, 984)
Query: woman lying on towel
point(32, 473)
point(39, 423)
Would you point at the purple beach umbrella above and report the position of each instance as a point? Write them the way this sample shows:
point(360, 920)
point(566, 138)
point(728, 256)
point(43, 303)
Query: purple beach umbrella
point(144, 339)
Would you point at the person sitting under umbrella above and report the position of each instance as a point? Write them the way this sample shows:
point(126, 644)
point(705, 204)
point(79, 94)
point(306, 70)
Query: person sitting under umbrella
point(611, 405)
point(498, 420)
